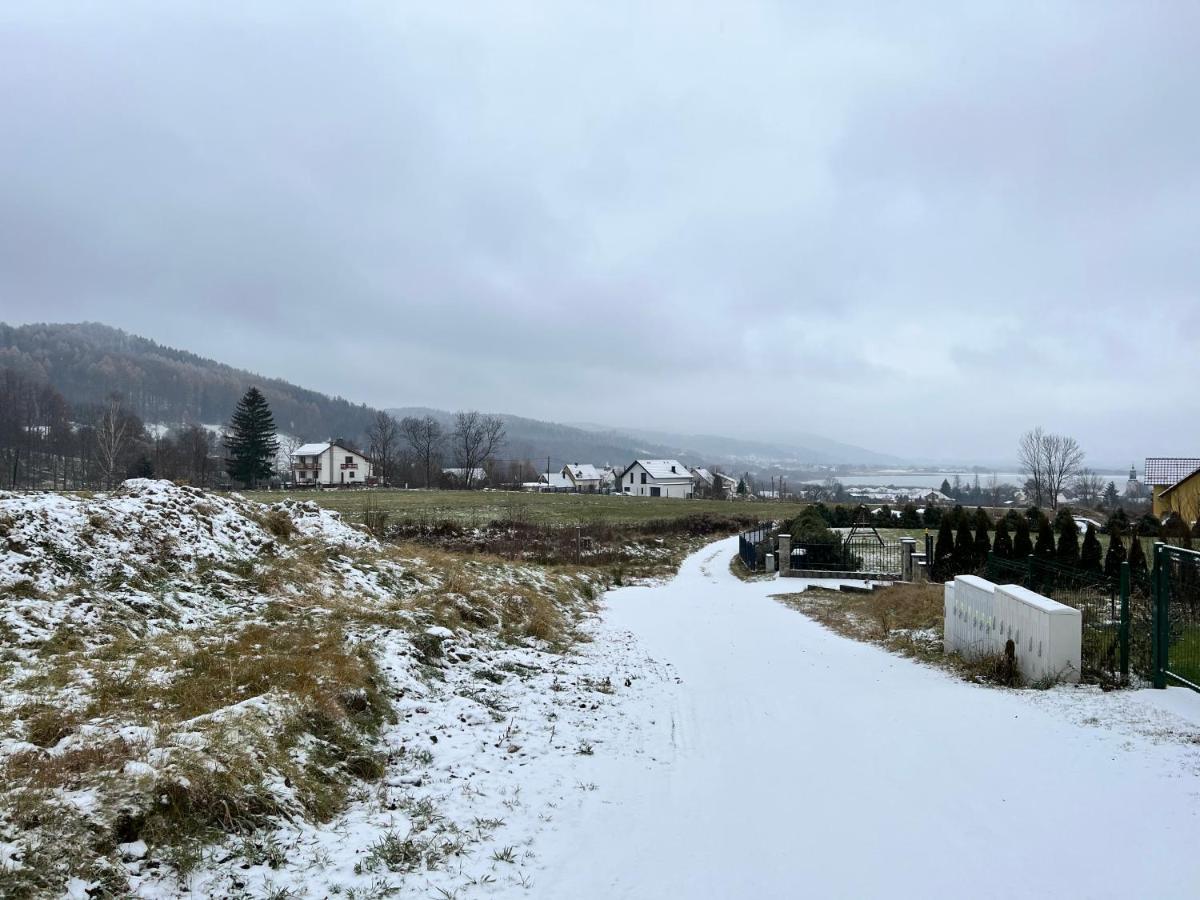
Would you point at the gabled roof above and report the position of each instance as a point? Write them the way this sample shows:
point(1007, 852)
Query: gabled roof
point(320, 447)
point(663, 469)
point(703, 474)
point(582, 472)
point(1182, 480)
point(556, 480)
point(311, 449)
point(1162, 470)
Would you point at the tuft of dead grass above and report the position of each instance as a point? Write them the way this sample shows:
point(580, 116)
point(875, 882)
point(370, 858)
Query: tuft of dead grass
point(906, 619)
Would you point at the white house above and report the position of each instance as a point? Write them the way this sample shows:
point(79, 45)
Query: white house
point(705, 480)
point(584, 478)
point(557, 482)
point(656, 478)
point(327, 464)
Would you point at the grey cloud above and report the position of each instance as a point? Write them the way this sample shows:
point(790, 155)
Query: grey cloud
point(638, 214)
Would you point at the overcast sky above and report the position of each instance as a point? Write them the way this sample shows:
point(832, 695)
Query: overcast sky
point(921, 230)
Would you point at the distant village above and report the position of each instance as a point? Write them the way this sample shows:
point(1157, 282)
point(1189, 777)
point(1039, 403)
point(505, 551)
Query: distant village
point(1169, 484)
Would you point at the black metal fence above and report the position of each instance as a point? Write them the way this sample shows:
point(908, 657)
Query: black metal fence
point(1175, 633)
point(753, 547)
point(869, 556)
point(1107, 608)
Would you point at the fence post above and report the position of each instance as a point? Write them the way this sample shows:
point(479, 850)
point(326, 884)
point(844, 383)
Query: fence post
point(1158, 617)
point(1124, 632)
point(785, 554)
point(907, 546)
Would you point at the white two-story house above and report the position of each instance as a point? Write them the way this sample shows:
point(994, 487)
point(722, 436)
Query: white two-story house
point(584, 477)
point(329, 465)
point(656, 478)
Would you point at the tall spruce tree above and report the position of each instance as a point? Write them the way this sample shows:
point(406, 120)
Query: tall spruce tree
point(1115, 556)
point(1091, 552)
point(1068, 539)
point(250, 443)
point(1139, 573)
point(1044, 549)
point(983, 545)
point(1002, 547)
point(943, 552)
point(1022, 541)
point(964, 548)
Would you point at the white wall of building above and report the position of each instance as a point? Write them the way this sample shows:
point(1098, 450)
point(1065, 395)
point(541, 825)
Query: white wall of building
point(632, 484)
point(335, 466)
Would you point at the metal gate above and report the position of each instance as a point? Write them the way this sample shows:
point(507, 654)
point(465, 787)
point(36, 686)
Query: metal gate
point(863, 553)
point(753, 547)
point(1175, 632)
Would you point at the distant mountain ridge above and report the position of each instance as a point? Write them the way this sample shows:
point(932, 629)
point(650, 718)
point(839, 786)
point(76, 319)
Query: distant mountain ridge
point(86, 362)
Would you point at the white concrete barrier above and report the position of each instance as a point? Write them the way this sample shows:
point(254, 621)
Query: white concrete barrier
point(981, 617)
point(1048, 635)
point(970, 629)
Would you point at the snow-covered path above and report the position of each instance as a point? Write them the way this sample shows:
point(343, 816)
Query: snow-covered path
point(787, 761)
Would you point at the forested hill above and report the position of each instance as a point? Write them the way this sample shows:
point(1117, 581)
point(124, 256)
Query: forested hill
point(87, 362)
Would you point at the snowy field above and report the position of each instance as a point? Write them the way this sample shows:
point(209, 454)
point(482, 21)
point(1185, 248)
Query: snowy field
point(705, 741)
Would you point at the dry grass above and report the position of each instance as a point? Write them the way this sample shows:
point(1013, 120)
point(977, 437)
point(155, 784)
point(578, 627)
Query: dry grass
point(738, 568)
point(321, 702)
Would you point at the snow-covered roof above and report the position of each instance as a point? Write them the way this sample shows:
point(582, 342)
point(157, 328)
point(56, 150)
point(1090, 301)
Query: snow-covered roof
point(557, 480)
point(1162, 470)
point(318, 448)
point(311, 449)
point(663, 469)
point(582, 472)
point(703, 474)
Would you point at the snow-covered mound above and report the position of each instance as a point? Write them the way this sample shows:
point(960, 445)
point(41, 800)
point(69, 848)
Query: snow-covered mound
point(154, 551)
point(55, 540)
point(181, 670)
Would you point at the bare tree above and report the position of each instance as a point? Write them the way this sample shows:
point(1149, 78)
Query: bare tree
point(1088, 487)
point(288, 445)
point(383, 440)
point(111, 435)
point(1050, 461)
point(475, 439)
point(424, 437)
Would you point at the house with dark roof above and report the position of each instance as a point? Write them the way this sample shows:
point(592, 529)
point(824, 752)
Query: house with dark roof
point(1174, 485)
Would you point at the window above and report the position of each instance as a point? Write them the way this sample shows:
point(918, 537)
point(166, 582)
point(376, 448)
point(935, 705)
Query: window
point(643, 478)
point(351, 474)
point(349, 460)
